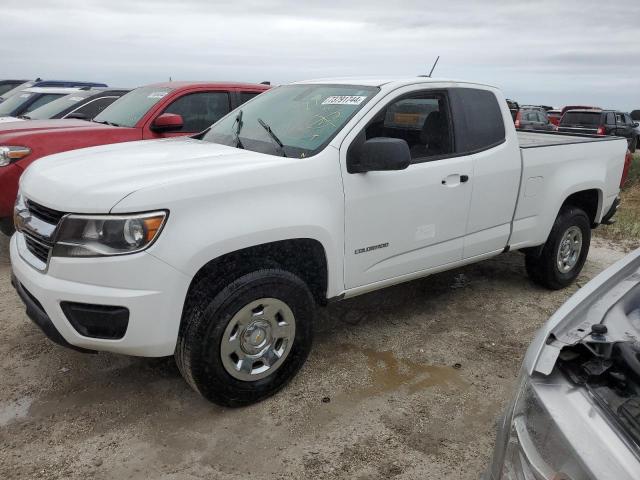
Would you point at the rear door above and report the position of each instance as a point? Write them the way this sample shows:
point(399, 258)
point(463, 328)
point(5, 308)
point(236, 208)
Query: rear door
point(494, 153)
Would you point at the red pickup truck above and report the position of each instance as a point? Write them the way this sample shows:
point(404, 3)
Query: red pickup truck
point(154, 111)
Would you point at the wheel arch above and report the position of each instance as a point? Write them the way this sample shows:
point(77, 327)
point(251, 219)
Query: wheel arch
point(304, 257)
point(590, 200)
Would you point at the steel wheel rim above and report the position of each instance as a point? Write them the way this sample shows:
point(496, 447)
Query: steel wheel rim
point(258, 339)
point(569, 249)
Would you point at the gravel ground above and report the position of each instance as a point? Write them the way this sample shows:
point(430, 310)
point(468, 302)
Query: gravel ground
point(403, 383)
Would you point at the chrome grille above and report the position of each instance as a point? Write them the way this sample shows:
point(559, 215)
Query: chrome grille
point(39, 229)
point(43, 213)
point(38, 248)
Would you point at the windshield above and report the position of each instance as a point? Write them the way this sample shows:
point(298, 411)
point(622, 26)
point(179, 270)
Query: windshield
point(57, 106)
point(5, 88)
point(581, 118)
point(130, 108)
point(294, 120)
point(11, 104)
point(17, 89)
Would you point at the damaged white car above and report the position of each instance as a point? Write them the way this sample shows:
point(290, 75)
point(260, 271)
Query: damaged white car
point(576, 412)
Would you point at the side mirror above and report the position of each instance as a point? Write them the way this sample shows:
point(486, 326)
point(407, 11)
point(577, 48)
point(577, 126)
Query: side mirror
point(78, 116)
point(379, 154)
point(167, 122)
point(636, 124)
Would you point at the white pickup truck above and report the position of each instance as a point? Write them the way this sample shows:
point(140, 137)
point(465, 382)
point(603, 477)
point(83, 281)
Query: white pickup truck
point(217, 248)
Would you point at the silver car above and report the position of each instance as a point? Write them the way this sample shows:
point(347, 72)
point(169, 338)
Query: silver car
point(576, 411)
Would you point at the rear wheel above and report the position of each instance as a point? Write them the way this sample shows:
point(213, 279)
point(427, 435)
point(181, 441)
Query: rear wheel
point(248, 341)
point(563, 255)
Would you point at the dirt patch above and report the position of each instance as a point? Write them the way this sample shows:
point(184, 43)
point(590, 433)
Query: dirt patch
point(403, 383)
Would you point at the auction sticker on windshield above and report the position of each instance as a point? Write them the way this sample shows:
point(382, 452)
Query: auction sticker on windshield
point(156, 95)
point(344, 100)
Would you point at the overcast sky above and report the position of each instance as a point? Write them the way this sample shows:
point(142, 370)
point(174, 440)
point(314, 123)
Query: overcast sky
point(553, 52)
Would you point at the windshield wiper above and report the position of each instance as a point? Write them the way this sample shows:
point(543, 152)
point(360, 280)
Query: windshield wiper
point(273, 136)
point(238, 120)
point(24, 117)
point(104, 122)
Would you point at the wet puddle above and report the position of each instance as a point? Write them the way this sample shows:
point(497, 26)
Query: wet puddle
point(388, 373)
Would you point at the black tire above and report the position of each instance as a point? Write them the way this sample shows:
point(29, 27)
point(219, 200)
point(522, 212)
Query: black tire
point(543, 268)
point(198, 351)
point(634, 144)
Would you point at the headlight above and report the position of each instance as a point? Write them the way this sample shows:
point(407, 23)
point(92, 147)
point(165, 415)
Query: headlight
point(11, 154)
point(536, 448)
point(105, 235)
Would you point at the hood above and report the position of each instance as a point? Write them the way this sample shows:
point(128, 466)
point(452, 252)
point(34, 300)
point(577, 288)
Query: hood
point(93, 180)
point(611, 299)
point(11, 119)
point(22, 127)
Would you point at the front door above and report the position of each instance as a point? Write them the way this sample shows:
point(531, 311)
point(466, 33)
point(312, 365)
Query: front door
point(407, 221)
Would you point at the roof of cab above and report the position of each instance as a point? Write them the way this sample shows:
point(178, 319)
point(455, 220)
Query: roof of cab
point(185, 84)
point(380, 81)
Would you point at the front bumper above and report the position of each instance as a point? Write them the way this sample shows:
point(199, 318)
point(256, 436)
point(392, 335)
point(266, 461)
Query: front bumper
point(151, 290)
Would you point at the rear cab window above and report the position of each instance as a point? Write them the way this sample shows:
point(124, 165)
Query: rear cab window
point(478, 120)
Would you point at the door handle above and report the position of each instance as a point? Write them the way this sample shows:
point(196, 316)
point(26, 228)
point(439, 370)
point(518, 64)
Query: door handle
point(453, 177)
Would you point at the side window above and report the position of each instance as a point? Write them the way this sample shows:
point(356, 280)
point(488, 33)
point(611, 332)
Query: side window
point(542, 117)
point(246, 96)
point(421, 119)
point(478, 120)
point(619, 118)
point(94, 107)
point(610, 119)
point(627, 119)
point(200, 110)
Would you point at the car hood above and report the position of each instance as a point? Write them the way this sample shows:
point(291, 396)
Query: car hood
point(611, 299)
point(23, 127)
point(93, 180)
point(11, 119)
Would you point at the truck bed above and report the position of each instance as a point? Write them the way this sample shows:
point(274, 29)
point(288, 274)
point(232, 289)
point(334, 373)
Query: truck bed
point(546, 139)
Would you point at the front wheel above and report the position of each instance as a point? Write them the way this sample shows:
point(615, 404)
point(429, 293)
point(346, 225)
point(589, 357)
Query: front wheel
point(565, 251)
point(248, 341)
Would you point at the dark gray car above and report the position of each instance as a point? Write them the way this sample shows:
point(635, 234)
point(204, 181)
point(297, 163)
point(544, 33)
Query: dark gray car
point(533, 118)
